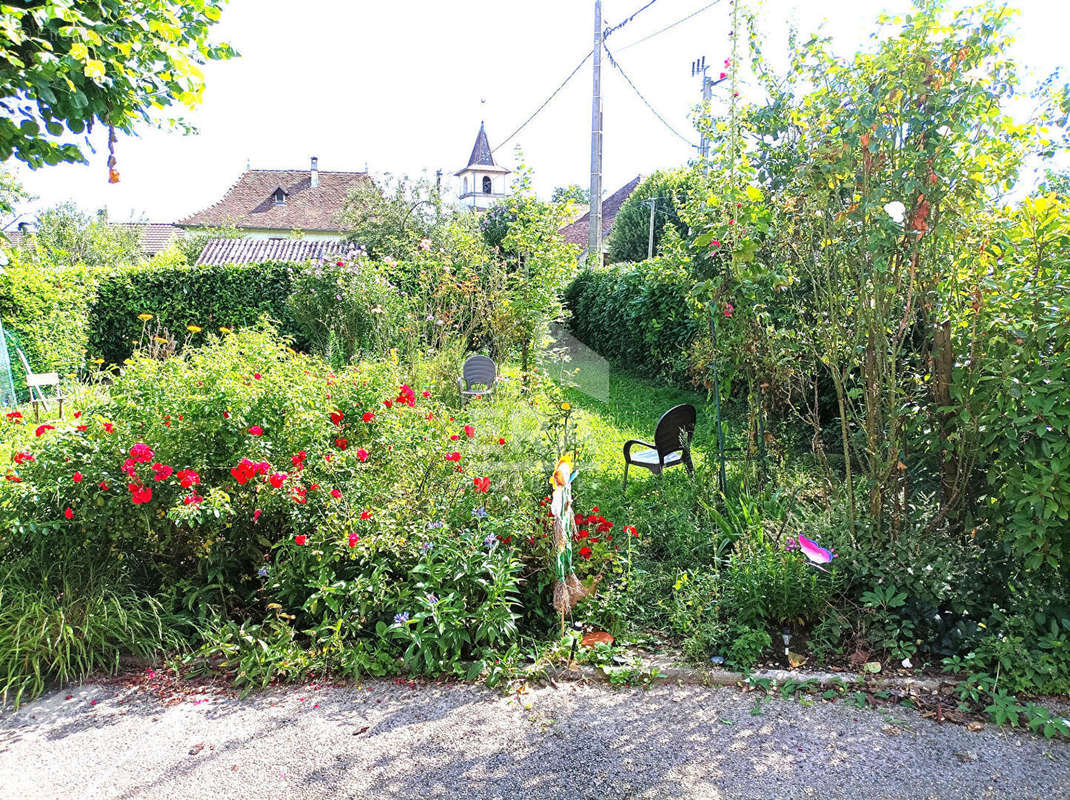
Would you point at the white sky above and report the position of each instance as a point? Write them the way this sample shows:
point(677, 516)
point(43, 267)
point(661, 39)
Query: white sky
point(400, 85)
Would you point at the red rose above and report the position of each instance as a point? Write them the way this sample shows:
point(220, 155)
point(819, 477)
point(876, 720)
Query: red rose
point(337, 495)
point(454, 456)
point(188, 478)
point(362, 454)
point(141, 453)
point(585, 551)
point(367, 416)
point(277, 479)
point(140, 494)
point(469, 431)
point(426, 393)
point(68, 512)
point(365, 514)
point(256, 375)
point(256, 515)
point(300, 539)
point(42, 428)
point(103, 486)
point(82, 428)
point(256, 430)
point(388, 403)
point(161, 472)
point(341, 444)
point(192, 499)
point(501, 441)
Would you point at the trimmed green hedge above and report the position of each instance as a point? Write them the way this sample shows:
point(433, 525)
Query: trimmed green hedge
point(637, 315)
point(208, 296)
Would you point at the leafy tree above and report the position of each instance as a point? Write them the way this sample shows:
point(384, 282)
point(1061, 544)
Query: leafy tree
point(573, 193)
point(67, 236)
point(67, 65)
point(630, 237)
point(11, 194)
point(391, 216)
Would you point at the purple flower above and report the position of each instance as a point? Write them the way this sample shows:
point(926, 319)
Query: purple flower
point(262, 572)
point(401, 618)
point(480, 512)
point(490, 541)
point(426, 546)
point(432, 599)
point(436, 524)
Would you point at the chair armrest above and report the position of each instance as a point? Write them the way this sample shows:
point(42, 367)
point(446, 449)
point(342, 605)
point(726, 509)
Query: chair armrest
point(460, 384)
point(628, 445)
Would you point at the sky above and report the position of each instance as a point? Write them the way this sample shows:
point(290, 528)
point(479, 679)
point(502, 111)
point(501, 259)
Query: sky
point(402, 86)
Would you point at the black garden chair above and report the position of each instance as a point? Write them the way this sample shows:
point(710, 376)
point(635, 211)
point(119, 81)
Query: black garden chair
point(477, 371)
point(672, 443)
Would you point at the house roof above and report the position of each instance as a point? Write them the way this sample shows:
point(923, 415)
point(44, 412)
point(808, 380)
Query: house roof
point(250, 202)
point(259, 251)
point(578, 232)
point(482, 157)
point(155, 236)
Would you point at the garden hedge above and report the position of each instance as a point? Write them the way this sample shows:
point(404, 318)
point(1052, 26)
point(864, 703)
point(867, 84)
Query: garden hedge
point(207, 296)
point(637, 316)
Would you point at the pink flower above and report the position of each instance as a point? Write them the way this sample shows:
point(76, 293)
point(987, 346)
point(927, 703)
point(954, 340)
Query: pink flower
point(256, 430)
point(140, 494)
point(353, 539)
point(425, 393)
point(256, 375)
point(337, 495)
point(256, 515)
point(141, 453)
point(188, 478)
point(42, 428)
point(161, 472)
point(192, 499)
point(728, 309)
point(469, 431)
point(362, 454)
point(715, 244)
point(277, 479)
point(425, 244)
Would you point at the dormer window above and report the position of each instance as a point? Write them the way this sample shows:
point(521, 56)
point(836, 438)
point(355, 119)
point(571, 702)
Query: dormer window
point(280, 196)
point(486, 184)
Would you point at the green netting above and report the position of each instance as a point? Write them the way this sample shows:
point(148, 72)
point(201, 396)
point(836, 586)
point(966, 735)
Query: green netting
point(7, 385)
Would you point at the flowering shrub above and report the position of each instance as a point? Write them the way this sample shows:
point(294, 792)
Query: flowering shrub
point(242, 474)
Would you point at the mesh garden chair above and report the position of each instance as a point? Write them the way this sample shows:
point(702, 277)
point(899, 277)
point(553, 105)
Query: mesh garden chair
point(672, 443)
point(36, 383)
point(477, 371)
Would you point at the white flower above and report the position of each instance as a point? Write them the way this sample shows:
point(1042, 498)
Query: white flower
point(378, 310)
point(896, 211)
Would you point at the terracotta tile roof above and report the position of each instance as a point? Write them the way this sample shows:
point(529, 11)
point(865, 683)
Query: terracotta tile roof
point(259, 251)
point(250, 202)
point(578, 232)
point(155, 236)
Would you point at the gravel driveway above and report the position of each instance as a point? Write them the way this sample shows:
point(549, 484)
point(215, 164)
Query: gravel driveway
point(390, 739)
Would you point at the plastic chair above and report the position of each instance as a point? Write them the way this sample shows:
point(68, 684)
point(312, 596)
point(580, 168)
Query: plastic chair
point(36, 384)
point(477, 371)
point(672, 443)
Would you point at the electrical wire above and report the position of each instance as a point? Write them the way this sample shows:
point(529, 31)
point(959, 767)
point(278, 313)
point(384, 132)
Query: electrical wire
point(669, 26)
point(626, 20)
point(545, 102)
point(646, 102)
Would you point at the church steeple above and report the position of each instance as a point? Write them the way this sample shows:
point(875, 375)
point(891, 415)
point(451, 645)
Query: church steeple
point(482, 181)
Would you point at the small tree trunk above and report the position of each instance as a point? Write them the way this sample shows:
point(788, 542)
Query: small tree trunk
point(943, 360)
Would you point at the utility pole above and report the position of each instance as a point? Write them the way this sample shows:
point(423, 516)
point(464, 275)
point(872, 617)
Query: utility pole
point(699, 67)
point(653, 203)
point(594, 240)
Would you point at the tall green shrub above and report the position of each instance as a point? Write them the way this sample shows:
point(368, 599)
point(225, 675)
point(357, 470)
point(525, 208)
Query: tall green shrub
point(637, 315)
point(209, 297)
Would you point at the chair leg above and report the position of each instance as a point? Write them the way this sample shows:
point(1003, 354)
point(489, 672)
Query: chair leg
point(36, 412)
point(688, 464)
point(625, 476)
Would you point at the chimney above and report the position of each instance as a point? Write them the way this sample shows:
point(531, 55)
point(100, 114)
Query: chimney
point(315, 172)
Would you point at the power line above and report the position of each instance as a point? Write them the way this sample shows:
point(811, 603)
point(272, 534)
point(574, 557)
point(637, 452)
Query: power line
point(670, 26)
point(646, 102)
point(626, 20)
point(545, 102)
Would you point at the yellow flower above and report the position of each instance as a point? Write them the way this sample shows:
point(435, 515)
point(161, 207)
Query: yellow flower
point(193, 328)
point(566, 407)
point(224, 330)
point(98, 360)
point(159, 339)
point(144, 317)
